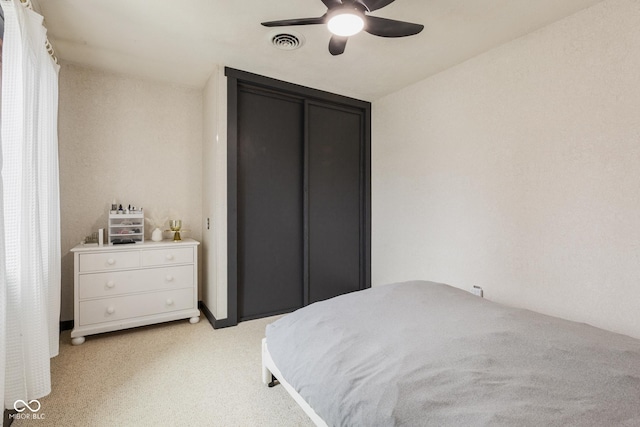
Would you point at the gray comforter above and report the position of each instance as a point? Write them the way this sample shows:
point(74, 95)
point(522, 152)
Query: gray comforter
point(423, 353)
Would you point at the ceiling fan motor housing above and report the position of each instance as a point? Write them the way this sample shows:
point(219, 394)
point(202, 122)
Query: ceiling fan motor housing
point(346, 20)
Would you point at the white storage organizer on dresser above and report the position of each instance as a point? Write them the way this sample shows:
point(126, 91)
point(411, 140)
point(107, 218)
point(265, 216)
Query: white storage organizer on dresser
point(124, 286)
point(126, 227)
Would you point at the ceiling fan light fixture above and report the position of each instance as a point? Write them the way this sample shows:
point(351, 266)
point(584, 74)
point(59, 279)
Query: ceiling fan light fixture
point(346, 24)
point(345, 18)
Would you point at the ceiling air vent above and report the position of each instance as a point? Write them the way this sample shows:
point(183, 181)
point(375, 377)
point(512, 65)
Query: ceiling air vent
point(287, 41)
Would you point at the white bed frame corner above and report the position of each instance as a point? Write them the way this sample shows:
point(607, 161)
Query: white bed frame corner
point(270, 372)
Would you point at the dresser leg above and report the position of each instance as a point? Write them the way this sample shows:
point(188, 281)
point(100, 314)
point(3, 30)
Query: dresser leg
point(194, 320)
point(77, 340)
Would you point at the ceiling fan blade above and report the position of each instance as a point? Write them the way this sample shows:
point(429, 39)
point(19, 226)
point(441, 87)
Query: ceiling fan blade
point(384, 27)
point(376, 4)
point(299, 21)
point(332, 3)
point(337, 44)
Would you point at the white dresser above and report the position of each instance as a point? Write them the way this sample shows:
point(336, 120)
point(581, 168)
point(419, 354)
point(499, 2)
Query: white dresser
point(124, 286)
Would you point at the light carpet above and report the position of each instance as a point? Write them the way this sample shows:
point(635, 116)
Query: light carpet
point(172, 374)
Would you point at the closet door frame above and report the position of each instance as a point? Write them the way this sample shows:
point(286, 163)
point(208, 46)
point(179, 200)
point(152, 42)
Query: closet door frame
point(236, 78)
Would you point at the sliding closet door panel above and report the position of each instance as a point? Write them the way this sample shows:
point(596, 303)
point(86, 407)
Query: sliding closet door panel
point(334, 141)
point(270, 203)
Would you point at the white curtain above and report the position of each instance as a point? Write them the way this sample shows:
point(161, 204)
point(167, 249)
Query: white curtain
point(30, 208)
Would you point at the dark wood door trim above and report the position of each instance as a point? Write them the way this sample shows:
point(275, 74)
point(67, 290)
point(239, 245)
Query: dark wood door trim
point(305, 207)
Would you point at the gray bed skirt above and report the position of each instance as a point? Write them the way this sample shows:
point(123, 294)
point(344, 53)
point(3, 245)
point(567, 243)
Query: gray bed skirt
point(423, 353)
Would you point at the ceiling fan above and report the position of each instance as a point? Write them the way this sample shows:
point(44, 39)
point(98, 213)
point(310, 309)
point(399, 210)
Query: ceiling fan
point(348, 17)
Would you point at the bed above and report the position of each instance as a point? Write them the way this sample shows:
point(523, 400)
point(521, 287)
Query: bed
point(424, 353)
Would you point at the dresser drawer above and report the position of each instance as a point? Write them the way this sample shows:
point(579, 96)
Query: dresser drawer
point(167, 256)
point(108, 261)
point(112, 283)
point(126, 307)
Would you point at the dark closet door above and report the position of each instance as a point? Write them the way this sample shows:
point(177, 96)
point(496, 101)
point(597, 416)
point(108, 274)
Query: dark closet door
point(299, 196)
point(270, 203)
point(335, 216)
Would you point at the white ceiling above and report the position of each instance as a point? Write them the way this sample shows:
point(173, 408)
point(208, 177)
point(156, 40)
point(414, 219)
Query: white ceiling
point(183, 41)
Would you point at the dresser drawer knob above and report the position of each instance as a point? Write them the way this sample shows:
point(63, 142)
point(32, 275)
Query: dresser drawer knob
point(169, 257)
point(111, 310)
point(169, 301)
point(110, 284)
point(169, 278)
point(111, 261)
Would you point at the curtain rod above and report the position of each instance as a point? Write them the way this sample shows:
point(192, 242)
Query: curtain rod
point(47, 44)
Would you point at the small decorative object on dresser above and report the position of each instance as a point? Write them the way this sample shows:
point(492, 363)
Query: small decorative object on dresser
point(156, 235)
point(125, 286)
point(175, 225)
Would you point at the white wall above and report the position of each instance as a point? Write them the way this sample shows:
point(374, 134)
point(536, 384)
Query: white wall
point(209, 135)
point(134, 140)
point(519, 171)
point(214, 195)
